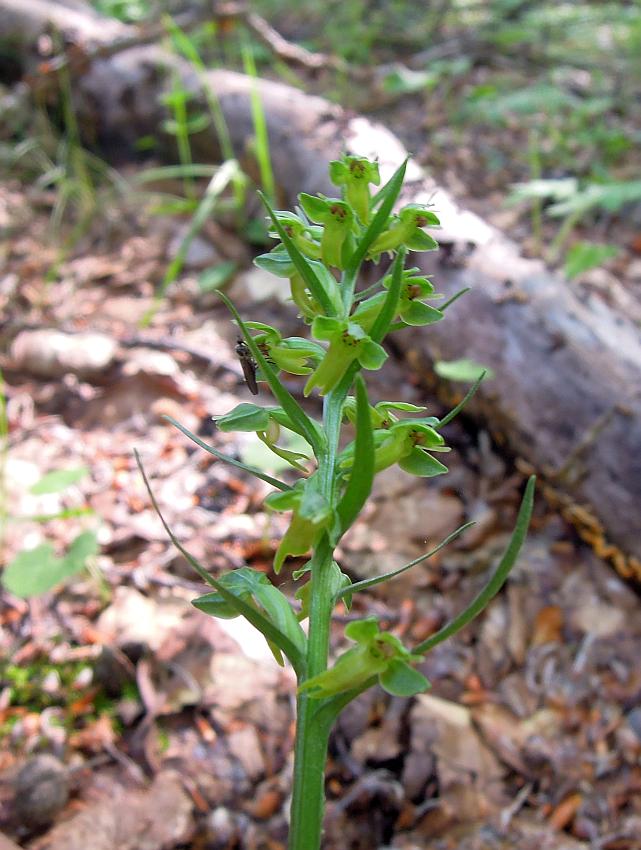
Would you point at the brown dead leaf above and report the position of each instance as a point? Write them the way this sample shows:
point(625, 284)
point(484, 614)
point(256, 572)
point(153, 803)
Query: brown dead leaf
point(158, 818)
point(548, 626)
point(564, 813)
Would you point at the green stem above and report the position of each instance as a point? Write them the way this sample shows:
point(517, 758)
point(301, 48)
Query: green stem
point(308, 797)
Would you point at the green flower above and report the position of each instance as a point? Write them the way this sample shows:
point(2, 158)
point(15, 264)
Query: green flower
point(338, 220)
point(300, 232)
point(414, 289)
point(311, 515)
point(406, 229)
point(377, 654)
point(347, 342)
point(411, 308)
point(381, 414)
point(291, 354)
point(355, 173)
point(408, 443)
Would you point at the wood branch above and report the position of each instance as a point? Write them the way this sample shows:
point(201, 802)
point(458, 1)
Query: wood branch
point(567, 365)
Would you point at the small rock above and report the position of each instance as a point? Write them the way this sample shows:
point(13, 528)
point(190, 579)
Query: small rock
point(48, 353)
point(200, 252)
point(42, 790)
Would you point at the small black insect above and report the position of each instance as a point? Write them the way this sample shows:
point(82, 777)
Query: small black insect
point(249, 365)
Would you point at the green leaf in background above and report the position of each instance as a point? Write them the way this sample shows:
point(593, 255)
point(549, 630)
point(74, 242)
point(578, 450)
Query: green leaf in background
point(586, 255)
point(35, 571)
point(404, 80)
point(464, 370)
point(58, 479)
point(217, 276)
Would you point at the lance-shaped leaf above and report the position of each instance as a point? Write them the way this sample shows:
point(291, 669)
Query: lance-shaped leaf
point(459, 407)
point(253, 470)
point(390, 305)
point(366, 583)
point(302, 266)
point(497, 580)
point(359, 485)
point(387, 197)
point(256, 589)
point(300, 420)
point(258, 620)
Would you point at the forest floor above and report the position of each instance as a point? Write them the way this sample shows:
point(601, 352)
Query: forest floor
point(171, 730)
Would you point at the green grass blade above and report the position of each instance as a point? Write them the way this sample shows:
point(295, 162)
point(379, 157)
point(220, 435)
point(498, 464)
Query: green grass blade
point(204, 211)
point(280, 485)
point(459, 407)
point(260, 127)
point(360, 481)
point(498, 579)
point(302, 266)
point(186, 46)
point(366, 583)
point(172, 172)
point(390, 305)
point(303, 424)
point(267, 629)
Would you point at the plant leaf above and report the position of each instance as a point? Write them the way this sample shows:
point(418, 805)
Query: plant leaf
point(246, 583)
point(244, 417)
point(258, 620)
point(586, 255)
point(360, 481)
point(497, 580)
point(387, 198)
point(401, 680)
point(280, 485)
point(390, 305)
point(372, 582)
point(57, 480)
point(462, 370)
point(459, 407)
point(35, 571)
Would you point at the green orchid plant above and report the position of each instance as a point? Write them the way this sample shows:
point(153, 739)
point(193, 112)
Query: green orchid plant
point(321, 250)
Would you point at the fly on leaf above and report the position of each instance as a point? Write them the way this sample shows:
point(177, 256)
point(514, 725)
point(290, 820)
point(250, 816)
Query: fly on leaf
point(248, 364)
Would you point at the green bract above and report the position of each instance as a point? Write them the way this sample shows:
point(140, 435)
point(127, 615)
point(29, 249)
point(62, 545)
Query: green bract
point(321, 249)
point(311, 515)
point(255, 589)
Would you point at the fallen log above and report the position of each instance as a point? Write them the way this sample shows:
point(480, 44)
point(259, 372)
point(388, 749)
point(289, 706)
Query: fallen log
point(567, 393)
